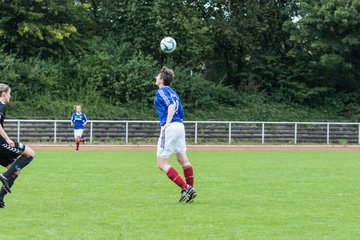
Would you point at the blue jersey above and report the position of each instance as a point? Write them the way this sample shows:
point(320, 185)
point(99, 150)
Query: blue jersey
point(78, 120)
point(166, 96)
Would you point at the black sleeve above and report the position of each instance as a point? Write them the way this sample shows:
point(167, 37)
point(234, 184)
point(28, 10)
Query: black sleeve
point(2, 112)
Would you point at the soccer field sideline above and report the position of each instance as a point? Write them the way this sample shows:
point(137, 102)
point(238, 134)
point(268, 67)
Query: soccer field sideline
point(201, 147)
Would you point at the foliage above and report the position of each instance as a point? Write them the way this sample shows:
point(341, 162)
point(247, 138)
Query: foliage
point(328, 35)
point(42, 27)
point(243, 59)
point(197, 93)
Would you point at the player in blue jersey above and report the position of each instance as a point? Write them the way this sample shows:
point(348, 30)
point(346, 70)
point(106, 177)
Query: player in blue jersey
point(172, 135)
point(13, 155)
point(78, 121)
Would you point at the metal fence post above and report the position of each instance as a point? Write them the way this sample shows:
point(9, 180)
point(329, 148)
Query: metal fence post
point(127, 132)
point(196, 127)
point(229, 132)
point(263, 134)
point(91, 132)
point(328, 133)
point(18, 131)
point(295, 134)
point(55, 131)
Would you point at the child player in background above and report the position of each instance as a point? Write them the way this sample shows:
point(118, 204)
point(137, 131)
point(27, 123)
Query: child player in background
point(78, 121)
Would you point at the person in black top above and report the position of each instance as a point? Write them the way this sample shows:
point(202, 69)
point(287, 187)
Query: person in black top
point(13, 155)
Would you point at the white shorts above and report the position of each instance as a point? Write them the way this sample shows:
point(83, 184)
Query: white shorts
point(172, 140)
point(78, 132)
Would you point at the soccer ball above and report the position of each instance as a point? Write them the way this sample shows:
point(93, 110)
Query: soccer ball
point(168, 44)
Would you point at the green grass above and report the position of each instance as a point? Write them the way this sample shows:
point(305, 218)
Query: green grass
point(95, 194)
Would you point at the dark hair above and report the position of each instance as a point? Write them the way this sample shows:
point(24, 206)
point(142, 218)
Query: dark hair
point(4, 88)
point(167, 75)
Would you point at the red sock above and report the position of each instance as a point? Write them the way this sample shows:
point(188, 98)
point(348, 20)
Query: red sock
point(189, 175)
point(77, 145)
point(175, 177)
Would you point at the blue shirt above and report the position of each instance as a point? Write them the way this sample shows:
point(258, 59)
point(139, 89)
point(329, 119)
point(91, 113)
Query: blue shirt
point(166, 96)
point(78, 120)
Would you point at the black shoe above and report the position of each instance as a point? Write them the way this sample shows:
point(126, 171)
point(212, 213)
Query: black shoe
point(5, 183)
point(83, 140)
point(192, 195)
point(185, 193)
point(2, 204)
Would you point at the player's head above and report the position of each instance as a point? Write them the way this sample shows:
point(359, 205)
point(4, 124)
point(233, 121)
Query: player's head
point(5, 92)
point(77, 108)
point(165, 76)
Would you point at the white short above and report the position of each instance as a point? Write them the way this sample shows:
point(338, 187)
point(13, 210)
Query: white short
point(78, 132)
point(172, 140)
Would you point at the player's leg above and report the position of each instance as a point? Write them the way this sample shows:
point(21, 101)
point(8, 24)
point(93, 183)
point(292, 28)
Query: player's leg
point(189, 175)
point(164, 149)
point(6, 162)
point(82, 139)
point(77, 142)
point(27, 155)
point(180, 149)
point(163, 152)
point(10, 153)
point(76, 138)
point(3, 191)
point(187, 167)
point(173, 175)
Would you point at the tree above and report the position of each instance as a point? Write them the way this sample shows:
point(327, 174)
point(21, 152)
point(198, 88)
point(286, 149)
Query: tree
point(329, 33)
point(249, 41)
point(49, 28)
point(142, 24)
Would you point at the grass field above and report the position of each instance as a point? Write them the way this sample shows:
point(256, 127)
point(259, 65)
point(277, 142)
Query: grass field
point(113, 194)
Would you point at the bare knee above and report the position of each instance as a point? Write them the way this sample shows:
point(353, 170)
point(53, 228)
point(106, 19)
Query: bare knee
point(31, 153)
point(183, 160)
point(163, 164)
point(163, 167)
point(159, 165)
point(28, 152)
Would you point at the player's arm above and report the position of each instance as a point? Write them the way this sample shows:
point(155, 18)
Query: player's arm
point(72, 120)
point(167, 100)
point(85, 120)
point(170, 115)
point(6, 137)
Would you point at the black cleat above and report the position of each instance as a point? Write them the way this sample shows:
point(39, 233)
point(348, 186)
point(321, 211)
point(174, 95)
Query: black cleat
point(5, 183)
point(191, 196)
point(185, 193)
point(2, 204)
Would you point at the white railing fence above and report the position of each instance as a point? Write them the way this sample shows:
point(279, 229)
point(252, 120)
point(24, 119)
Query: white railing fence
point(198, 132)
